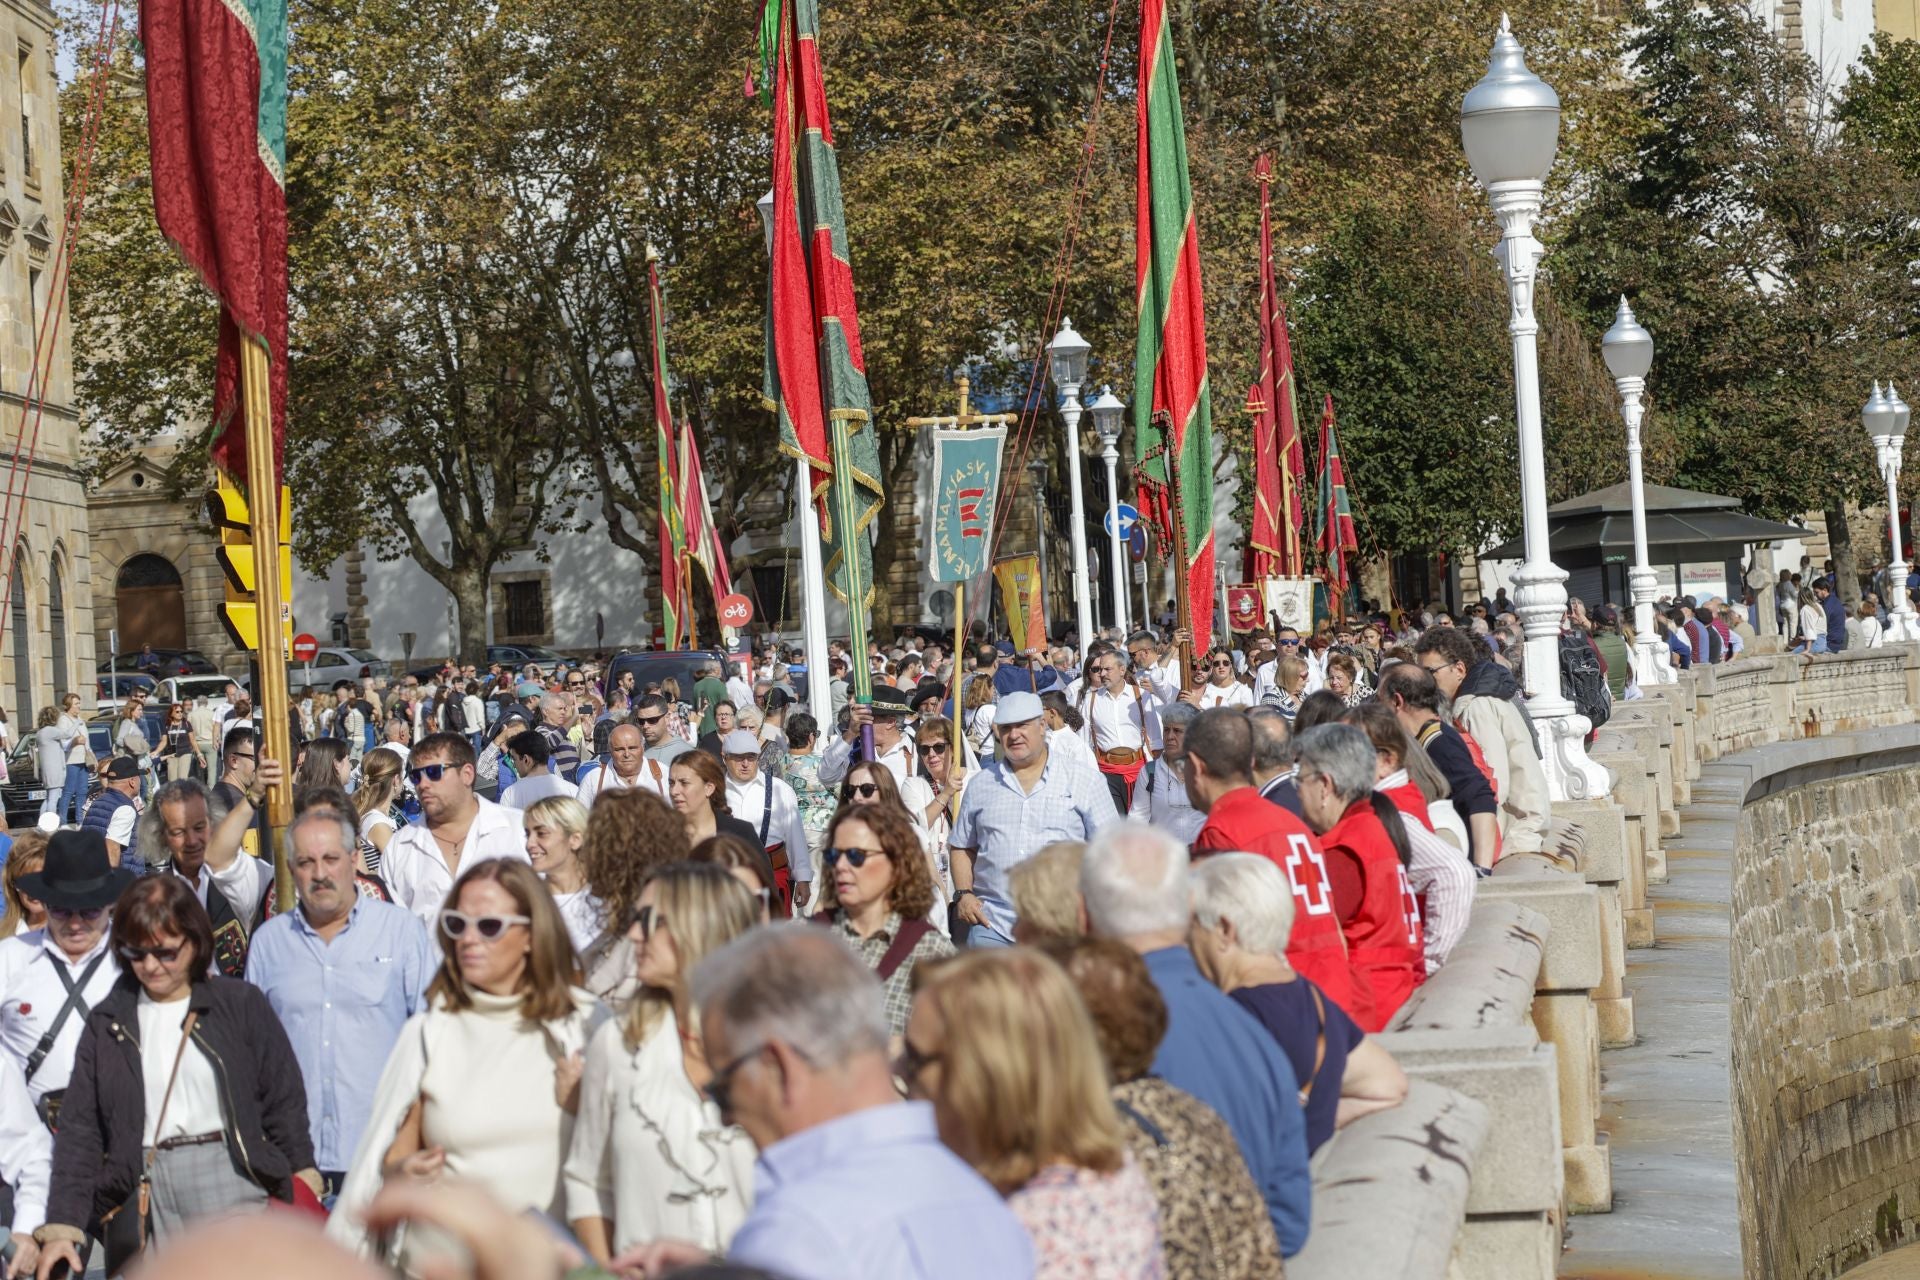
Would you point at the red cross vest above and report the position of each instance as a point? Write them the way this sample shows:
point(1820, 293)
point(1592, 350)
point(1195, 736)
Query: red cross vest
point(1242, 822)
point(1384, 939)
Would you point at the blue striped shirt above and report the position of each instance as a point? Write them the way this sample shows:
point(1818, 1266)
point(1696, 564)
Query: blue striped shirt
point(1004, 825)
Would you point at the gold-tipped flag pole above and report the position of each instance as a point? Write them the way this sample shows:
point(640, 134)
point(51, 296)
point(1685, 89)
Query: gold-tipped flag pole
point(263, 498)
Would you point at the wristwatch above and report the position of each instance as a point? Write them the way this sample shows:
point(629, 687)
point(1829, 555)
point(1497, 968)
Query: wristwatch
point(965, 893)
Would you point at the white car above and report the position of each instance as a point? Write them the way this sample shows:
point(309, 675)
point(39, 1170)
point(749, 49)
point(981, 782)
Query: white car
point(331, 665)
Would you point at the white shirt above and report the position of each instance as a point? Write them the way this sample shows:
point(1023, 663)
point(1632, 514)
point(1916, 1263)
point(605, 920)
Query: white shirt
point(243, 884)
point(31, 994)
point(1162, 679)
point(1232, 694)
point(1122, 721)
point(584, 914)
point(652, 777)
point(120, 826)
point(915, 794)
point(747, 801)
point(194, 1106)
point(26, 1151)
point(1160, 797)
point(523, 793)
point(417, 872)
point(1263, 680)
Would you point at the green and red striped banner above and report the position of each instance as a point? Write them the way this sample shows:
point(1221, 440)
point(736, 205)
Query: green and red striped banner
point(217, 131)
point(1170, 359)
point(1333, 517)
point(1273, 544)
point(673, 536)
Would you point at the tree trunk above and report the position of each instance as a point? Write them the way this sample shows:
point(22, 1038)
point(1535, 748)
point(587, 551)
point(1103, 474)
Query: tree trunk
point(469, 586)
point(1840, 539)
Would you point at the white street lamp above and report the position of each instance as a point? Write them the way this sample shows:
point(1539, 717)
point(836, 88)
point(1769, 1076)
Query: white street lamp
point(1107, 412)
point(1510, 127)
point(1628, 350)
point(1885, 417)
point(1068, 354)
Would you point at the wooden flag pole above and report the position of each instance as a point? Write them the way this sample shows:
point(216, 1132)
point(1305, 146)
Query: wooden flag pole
point(263, 500)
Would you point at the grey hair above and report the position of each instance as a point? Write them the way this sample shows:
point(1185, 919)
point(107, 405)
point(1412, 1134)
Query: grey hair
point(1272, 738)
point(325, 815)
point(1178, 715)
point(551, 701)
point(1134, 881)
point(149, 834)
point(1340, 753)
point(797, 983)
point(1250, 891)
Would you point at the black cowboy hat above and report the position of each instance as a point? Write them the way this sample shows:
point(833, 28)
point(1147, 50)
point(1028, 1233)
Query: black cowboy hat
point(77, 875)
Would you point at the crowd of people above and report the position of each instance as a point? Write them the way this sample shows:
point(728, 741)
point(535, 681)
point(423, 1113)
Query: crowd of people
point(1035, 963)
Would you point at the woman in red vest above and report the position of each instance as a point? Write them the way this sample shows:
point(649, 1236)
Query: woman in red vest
point(1366, 852)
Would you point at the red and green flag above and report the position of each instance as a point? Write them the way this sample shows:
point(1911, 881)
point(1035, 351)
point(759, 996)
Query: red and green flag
point(217, 129)
point(1333, 517)
point(1172, 409)
point(1280, 465)
point(673, 536)
point(816, 377)
point(696, 518)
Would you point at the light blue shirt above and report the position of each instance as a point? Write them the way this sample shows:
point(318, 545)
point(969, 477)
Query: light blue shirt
point(343, 1004)
point(1219, 1053)
point(877, 1196)
point(1004, 826)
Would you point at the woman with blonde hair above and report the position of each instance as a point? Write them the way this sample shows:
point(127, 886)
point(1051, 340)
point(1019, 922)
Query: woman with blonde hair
point(556, 827)
point(1020, 1092)
point(381, 773)
point(876, 892)
point(1289, 685)
point(631, 833)
point(483, 1086)
point(977, 712)
point(651, 1155)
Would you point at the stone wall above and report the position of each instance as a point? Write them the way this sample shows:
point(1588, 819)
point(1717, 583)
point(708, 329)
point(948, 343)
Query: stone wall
point(1826, 985)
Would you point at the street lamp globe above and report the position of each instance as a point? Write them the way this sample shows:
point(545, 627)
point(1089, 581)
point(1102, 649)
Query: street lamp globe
point(1627, 347)
point(1901, 415)
point(1107, 412)
point(1877, 415)
point(1510, 121)
point(1068, 353)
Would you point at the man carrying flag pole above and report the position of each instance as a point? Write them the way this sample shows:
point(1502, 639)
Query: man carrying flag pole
point(816, 377)
point(1172, 407)
point(217, 130)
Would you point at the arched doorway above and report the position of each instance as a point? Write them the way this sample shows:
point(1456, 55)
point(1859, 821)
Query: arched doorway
point(23, 708)
point(149, 604)
point(57, 626)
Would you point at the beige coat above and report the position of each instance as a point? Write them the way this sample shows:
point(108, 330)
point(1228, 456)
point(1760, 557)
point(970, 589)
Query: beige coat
point(1496, 725)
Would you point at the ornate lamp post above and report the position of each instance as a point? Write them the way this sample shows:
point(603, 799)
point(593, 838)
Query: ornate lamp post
point(1628, 350)
point(1885, 417)
point(1107, 412)
point(1510, 127)
point(1068, 355)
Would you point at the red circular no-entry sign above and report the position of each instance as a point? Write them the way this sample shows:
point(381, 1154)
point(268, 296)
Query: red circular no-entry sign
point(304, 648)
point(735, 610)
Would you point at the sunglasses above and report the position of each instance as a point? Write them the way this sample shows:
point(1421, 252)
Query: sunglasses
point(854, 857)
point(865, 790)
point(643, 721)
point(934, 748)
point(89, 915)
point(720, 1088)
point(648, 918)
point(455, 924)
point(133, 955)
point(1222, 666)
point(1288, 644)
point(431, 772)
point(911, 1062)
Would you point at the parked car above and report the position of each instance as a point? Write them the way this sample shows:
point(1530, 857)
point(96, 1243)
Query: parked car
point(187, 688)
point(519, 655)
point(655, 666)
point(117, 686)
point(25, 792)
point(332, 665)
point(170, 662)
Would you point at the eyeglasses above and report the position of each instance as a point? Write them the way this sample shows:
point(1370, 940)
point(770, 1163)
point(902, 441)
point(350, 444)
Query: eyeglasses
point(648, 918)
point(720, 1088)
point(133, 955)
point(455, 924)
point(912, 1062)
point(865, 790)
point(89, 915)
point(237, 756)
point(431, 772)
point(854, 857)
point(1430, 670)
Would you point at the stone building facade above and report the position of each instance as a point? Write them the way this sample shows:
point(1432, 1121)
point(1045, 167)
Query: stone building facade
point(48, 644)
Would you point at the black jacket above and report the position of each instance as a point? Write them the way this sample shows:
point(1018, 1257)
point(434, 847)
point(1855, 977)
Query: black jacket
point(97, 1154)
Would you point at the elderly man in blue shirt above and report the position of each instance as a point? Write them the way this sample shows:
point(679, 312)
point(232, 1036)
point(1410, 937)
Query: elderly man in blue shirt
point(344, 972)
point(1135, 887)
point(852, 1183)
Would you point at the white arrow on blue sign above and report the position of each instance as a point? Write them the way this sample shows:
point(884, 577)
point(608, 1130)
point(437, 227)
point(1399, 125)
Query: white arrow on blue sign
point(1128, 517)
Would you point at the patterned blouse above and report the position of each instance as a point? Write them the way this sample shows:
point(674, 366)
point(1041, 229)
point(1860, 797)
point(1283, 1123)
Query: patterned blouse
point(1213, 1221)
point(1091, 1226)
point(817, 799)
point(899, 984)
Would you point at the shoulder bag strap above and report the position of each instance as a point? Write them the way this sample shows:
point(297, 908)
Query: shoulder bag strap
point(186, 1034)
point(905, 939)
point(766, 808)
point(76, 1001)
point(1319, 1047)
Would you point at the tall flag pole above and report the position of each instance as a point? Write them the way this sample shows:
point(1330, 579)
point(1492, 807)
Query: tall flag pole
point(1172, 406)
point(1333, 517)
point(1273, 547)
point(702, 535)
point(217, 134)
point(673, 536)
point(816, 377)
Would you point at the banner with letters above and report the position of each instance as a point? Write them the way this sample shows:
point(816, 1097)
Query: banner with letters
point(1024, 600)
point(966, 469)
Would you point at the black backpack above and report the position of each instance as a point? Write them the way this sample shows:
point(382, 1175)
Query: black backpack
point(1582, 679)
point(455, 711)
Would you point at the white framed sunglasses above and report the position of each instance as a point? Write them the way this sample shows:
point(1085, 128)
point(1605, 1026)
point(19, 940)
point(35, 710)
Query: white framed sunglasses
point(456, 923)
